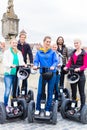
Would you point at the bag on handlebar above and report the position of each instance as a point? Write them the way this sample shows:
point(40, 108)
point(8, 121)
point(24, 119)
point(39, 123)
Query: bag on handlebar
point(47, 75)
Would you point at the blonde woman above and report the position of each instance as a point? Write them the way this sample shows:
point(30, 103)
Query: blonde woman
point(11, 58)
point(78, 61)
point(58, 69)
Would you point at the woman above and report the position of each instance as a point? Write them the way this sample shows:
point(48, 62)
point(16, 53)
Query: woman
point(11, 58)
point(78, 61)
point(58, 70)
point(63, 50)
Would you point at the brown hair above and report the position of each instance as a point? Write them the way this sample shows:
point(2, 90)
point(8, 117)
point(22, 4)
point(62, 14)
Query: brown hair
point(22, 33)
point(58, 39)
point(46, 37)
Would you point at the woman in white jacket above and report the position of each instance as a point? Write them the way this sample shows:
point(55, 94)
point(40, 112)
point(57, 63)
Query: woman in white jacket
point(11, 58)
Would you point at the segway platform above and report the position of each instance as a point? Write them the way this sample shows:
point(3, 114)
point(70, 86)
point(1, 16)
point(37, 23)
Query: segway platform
point(41, 116)
point(16, 110)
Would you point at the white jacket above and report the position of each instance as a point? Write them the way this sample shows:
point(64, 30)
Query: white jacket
point(8, 60)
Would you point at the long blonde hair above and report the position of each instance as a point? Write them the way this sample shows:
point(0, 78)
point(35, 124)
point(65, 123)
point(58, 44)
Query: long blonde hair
point(14, 40)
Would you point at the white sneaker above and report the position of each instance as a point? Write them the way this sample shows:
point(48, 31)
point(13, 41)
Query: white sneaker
point(16, 111)
point(36, 112)
point(47, 113)
point(7, 109)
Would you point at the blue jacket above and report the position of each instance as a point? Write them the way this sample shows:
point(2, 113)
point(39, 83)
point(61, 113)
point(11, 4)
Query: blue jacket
point(46, 59)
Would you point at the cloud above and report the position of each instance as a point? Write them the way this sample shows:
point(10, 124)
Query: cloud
point(48, 17)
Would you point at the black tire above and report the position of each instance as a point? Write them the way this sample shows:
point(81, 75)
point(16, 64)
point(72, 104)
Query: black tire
point(54, 113)
point(83, 115)
point(2, 113)
point(66, 92)
point(30, 96)
point(64, 108)
point(23, 105)
point(31, 109)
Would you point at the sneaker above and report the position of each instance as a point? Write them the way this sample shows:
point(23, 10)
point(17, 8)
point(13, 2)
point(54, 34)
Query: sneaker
point(71, 112)
point(36, 112)
point(47, 113)
point(11, 109)
point(16, 111)
point(77, 109)
point(7, 109)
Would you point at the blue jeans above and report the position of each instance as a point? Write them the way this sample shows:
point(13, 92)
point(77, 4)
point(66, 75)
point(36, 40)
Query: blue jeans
point(56, 86)
point(8, 80)
point(51, 84)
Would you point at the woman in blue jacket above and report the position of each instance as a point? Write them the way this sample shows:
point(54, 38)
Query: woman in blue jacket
point(46, 57)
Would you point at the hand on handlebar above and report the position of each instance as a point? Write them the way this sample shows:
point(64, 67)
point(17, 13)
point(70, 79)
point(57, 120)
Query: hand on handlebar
point(13, 66)
point(65, 68)
point(35, 68)
point(51, 68)
point(25, 65)
point(77, 69)
point(32, 64)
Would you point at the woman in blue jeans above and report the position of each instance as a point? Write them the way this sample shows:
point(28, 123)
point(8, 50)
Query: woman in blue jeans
point(58, 70)
point(11, 58)
point(46, 57)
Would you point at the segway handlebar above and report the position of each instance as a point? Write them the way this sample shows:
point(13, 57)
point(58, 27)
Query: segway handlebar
point(18, 66)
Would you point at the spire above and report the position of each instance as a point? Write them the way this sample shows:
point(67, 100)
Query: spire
point(23, 32)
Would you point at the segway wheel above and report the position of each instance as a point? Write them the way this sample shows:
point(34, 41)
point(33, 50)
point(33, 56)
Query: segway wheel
point(31, 109)
point(54, 113)
point(30, 96)
point(66, 92)
point(64, 108)
point(23, 106)
point(83, 115)
point(2, 113)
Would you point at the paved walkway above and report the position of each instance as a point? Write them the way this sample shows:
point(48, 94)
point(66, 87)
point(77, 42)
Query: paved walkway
point(18, 124)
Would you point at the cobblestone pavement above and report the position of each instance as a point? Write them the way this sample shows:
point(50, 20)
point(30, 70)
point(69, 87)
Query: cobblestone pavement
point(62, 124)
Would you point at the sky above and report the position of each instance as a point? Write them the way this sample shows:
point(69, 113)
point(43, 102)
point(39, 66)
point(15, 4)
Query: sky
point(67, 18)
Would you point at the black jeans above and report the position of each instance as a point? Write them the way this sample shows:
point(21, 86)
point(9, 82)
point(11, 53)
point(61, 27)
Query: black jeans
point(16, 88)
point(81, 88)
point(24, 86)
point(62, 76)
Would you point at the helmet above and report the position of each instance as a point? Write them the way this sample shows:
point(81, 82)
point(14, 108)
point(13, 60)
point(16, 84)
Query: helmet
point(73, 78)
point(22, 74)
point(47, 75)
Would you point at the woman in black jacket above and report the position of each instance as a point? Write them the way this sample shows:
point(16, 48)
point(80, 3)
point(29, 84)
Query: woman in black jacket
point(64, 51)
point(78, 61)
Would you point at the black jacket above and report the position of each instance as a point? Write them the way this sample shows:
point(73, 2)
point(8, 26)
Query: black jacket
point(25, 49)
point(64, 53)
point(79, 61)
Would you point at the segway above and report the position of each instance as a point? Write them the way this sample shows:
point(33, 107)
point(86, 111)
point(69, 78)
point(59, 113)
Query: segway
point(22, 73)
point(41, 116)
point(17, 110)
point(61, 94)
point(69, 108)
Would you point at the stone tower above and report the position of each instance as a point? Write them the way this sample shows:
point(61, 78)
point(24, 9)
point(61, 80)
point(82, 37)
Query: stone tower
point(10, 23)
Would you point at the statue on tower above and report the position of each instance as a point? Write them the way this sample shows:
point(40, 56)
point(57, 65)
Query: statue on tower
point(10, 22)
point(10, 10)
point(10, 6)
